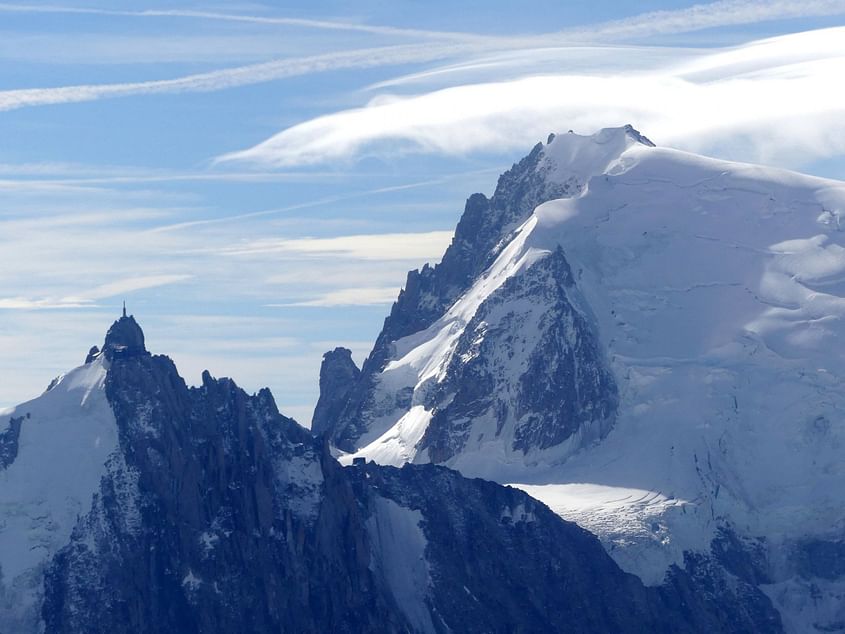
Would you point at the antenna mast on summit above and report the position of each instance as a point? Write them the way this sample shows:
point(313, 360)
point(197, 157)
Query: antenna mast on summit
point(124, 308)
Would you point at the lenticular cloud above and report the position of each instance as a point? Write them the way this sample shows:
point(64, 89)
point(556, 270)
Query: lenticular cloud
point(770, 100)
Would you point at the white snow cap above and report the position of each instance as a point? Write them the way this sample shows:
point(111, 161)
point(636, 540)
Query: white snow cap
point(584, 156)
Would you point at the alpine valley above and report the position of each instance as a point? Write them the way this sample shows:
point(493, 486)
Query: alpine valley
point(615, 405)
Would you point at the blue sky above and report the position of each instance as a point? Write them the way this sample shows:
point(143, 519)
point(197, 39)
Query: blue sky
point(256, 179)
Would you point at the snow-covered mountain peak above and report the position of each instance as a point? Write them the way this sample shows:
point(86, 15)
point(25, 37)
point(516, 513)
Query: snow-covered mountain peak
point(575, 157)
point(657, 346)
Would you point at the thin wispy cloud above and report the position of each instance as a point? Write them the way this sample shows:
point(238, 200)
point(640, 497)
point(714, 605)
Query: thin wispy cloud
point(452, 44)
point(131, 284)
point(351, 274)
point(88, 298)
point(706, 16)
point(230, 77)
point(318, 202)
point(27, 303)
point(141, 177)
point(735, 105)
point(331, 25)
point(694, 18)
point(105, 51)
point(82, 218)
point(512, 64)
point(363, 296)
point(383, 246)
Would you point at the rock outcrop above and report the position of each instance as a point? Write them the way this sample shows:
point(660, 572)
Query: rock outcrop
point(338, 375)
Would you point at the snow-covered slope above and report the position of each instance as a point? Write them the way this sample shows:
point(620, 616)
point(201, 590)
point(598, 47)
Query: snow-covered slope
point(56, 449)
point(717, 290)
point(716, 294)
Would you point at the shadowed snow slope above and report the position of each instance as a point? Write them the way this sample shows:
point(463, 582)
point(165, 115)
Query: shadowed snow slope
point(705, 300)
point(56, 448)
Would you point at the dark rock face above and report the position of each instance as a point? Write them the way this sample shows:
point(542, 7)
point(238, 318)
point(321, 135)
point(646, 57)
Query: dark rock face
point(338, 375)
point(561, 386)
point(820, 558)
point(499, 561)
point(218, 515)
point(124, 339)
point(479, 237)
point(9, 441)
point(716, 598)
point(93, 353)
point(745, 558)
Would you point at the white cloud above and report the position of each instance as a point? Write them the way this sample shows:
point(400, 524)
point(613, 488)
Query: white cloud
point(380, 246)
point(363, 296)
point(576, 59)
point(131, 284)
point(112, 48)
point(460, 177)
point(87, 299)
point(352, 273)
point(82, 178)
point(231, 77)
point(637, 27)
point(330, 25)
point(775, 100)
point(706, 16)
point(27, 303)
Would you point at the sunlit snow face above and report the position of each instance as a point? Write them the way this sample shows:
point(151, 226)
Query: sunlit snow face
point(804, 280)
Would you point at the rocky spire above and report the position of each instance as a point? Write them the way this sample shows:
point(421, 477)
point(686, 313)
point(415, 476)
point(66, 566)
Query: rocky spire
point(125, 338)
point(337, 377)
point(93, 353)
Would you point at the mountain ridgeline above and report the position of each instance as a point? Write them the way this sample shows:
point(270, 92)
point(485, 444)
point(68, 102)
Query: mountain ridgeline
point(480, 235)
point(213, 512)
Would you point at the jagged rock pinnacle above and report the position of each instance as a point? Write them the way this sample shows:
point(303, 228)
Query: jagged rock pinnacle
point(93, 353)
point(124, 339)
point(635, 134)
point(338, 375)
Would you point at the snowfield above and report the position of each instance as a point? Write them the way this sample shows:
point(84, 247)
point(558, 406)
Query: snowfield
point(715, 290)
